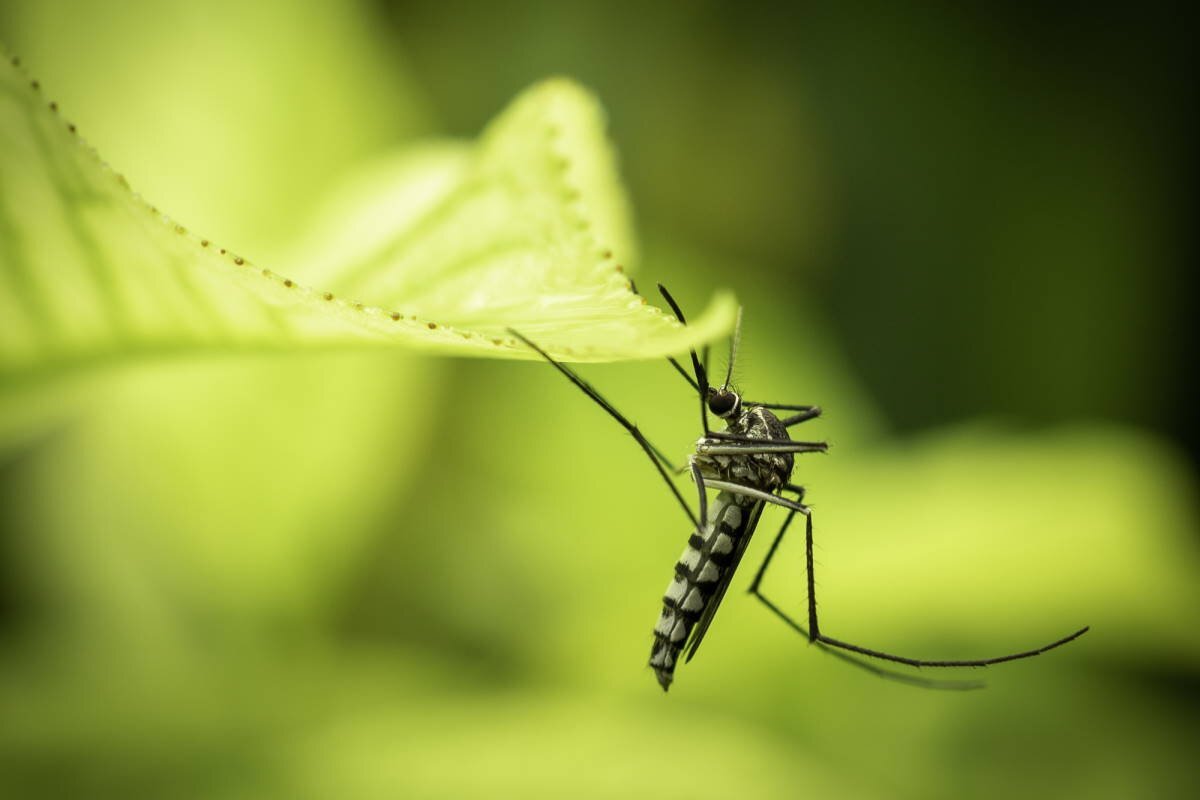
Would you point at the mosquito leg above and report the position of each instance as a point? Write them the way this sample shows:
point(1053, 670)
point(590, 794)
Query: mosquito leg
point(980, 662)
point(726, 436)
point(757, 494)
point(816, 635)
point(704, 359)
point(750, 449)
point(812, 412)
point(762, 570)
point(660, 462)
point(679, 368)
point(592, 393)
point(701, 383)
point(816, 639)
point(747, 446)
point(702, 488)
point(806, 412)
point(880, 672)
point(813, 633)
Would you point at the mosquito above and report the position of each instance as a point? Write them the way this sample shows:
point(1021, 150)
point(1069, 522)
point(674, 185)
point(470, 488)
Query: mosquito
point(749, 465)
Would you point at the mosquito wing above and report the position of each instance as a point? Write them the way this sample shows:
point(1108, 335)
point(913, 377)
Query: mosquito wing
point(714, 601)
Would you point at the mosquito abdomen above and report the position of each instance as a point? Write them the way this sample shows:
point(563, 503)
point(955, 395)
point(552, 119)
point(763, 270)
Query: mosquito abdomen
point(698, 573)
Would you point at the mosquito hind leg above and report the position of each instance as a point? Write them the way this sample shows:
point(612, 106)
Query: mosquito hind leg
point(880, 672)
point(814, 629)
point(757, 494)
point(813, 633)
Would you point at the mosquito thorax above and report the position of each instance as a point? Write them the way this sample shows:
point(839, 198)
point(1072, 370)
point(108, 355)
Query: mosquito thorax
point(724, 403)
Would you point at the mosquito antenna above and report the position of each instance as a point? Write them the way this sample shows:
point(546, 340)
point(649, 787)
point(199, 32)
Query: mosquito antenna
point(733, 348)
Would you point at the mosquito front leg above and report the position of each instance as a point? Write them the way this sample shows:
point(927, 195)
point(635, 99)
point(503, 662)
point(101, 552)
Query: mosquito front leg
point(701, 383)
point(659, 460)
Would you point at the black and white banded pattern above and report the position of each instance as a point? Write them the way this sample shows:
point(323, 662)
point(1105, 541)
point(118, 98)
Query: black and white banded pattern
point(750, 465)
point(703, 571)
point(698, 579)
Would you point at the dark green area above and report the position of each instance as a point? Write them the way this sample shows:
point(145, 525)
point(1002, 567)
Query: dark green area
point(962, 232)
point(988, 204)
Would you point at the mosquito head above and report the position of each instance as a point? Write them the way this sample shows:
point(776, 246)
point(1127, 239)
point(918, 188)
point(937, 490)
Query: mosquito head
point(724, 402)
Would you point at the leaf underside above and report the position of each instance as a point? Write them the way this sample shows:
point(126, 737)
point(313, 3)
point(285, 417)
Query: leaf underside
point(443, 248)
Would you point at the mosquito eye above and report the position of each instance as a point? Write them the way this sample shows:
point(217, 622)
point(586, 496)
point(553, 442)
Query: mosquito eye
point(722, 403)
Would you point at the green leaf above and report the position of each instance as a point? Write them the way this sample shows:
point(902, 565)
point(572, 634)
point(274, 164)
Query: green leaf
point(443, 248)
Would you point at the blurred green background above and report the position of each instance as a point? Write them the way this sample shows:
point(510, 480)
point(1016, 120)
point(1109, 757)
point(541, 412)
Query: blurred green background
point(962, 232)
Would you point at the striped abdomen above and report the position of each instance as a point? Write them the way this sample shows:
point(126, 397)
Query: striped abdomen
point(699, 580)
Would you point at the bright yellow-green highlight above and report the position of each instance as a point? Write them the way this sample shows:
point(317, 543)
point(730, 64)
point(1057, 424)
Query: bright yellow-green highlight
point(445, 252)
point(259, 567)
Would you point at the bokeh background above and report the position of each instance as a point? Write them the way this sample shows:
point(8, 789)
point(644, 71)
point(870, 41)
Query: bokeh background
point(965, 233)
